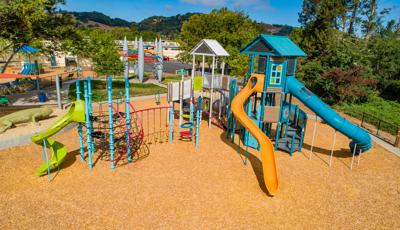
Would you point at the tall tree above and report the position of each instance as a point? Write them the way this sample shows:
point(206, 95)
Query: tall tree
point(354, 18)
point(23, 22)
point(232, 29)
point(370, 11)
point(372, 18)
point(308, 13)
point(319, 20)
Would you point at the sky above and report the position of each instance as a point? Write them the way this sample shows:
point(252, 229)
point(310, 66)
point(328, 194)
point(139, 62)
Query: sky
point(268, 11)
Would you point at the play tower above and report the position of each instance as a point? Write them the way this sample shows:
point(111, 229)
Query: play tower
point(265, 100)
point(274, 59)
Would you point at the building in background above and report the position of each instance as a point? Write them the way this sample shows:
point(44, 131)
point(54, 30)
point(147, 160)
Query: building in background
point(171, 49)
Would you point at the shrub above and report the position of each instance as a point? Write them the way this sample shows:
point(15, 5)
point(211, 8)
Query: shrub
point(347, 85)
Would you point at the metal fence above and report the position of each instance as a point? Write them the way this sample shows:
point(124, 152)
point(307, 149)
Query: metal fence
point(383, 129)
point(50, 81)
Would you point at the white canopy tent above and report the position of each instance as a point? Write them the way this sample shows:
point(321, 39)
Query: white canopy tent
point(210, 48)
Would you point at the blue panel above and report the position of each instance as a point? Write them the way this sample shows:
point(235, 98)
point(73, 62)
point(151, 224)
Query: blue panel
point(276, 76)
point(281, 45)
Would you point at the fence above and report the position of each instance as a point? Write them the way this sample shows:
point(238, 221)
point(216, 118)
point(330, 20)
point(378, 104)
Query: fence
point(385, 130)
point(50, 81)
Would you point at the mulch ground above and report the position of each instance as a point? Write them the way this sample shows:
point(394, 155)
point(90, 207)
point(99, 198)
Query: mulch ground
point(178, 187)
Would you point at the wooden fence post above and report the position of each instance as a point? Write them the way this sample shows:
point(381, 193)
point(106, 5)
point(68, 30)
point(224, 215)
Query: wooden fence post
point(397, 142)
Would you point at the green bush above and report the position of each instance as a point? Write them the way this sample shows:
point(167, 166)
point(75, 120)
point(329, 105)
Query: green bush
point(380, 108)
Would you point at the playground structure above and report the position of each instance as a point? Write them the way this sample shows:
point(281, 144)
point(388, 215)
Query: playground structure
point(29, 67)
point(266, 100)
point(116, 134)
point(211, 48)
point(142, 55)
point(114, 130)
point(189, 109)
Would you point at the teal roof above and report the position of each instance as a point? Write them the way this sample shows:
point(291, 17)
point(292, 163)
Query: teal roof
point(274, 46)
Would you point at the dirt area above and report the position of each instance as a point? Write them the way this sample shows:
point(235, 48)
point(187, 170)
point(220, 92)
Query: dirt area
point(178, 187)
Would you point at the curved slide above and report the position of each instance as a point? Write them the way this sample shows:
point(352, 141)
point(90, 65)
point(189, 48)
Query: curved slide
point(76, 113)
point(357, 134)
point(266, 146)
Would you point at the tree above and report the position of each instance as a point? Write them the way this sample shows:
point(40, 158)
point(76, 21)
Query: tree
point(372, 18)
point(104, 52)
point(232, 29)
point(354, 18)
point(319, 20)
point(308, 13)
point(23, 22)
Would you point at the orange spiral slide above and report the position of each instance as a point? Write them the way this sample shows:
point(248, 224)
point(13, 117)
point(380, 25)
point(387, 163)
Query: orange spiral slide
point(266, 146)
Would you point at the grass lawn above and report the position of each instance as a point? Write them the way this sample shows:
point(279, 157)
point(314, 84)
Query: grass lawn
point(170, 79)
point(131, 76)
point(380, 108)
point(198, 81)
point(99, 88)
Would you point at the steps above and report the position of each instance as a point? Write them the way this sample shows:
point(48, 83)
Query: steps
point(290, 143)
point(285, 144)
point(186, 135)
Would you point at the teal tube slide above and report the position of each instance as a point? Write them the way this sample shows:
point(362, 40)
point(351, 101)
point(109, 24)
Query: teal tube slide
point(360, 138)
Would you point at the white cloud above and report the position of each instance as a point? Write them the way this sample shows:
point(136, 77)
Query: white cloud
point(206, 2)
point(254, 4)
point(168, 7)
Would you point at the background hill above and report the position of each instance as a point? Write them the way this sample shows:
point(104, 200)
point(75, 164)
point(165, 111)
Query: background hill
point(167, 26)
point(93, 18)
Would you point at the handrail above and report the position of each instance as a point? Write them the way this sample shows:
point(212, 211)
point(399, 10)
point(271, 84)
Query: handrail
point(153, 108)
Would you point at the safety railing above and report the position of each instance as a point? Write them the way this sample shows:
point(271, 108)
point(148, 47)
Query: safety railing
point(385, 130)
point(155, 122)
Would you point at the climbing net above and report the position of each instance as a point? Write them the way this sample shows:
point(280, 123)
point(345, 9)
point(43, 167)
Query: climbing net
point(123, 141)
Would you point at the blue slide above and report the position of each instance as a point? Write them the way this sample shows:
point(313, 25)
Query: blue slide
point(357, 134)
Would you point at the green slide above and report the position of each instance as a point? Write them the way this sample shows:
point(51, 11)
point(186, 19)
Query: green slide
point(76, 113)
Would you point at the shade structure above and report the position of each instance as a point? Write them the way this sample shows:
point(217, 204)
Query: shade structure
point(211, 48)
point(28, 49)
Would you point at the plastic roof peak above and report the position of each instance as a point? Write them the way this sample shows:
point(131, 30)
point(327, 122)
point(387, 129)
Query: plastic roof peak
point(279, 45)
point(209, 47)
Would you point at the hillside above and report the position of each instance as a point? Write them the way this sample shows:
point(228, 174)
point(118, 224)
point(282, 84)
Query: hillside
point(169, 26)
point(275, 29)
point(164, 25)
point(93, 18)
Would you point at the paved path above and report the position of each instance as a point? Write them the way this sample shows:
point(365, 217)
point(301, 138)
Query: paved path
point(387, 146)
point(26, 138)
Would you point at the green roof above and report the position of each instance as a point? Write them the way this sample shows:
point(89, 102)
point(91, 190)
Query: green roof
point(273, 45)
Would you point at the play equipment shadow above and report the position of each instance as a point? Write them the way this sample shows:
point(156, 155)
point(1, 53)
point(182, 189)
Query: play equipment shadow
point(140, 154)
point(69, 160)
point(256, 163)
point(341, 154)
